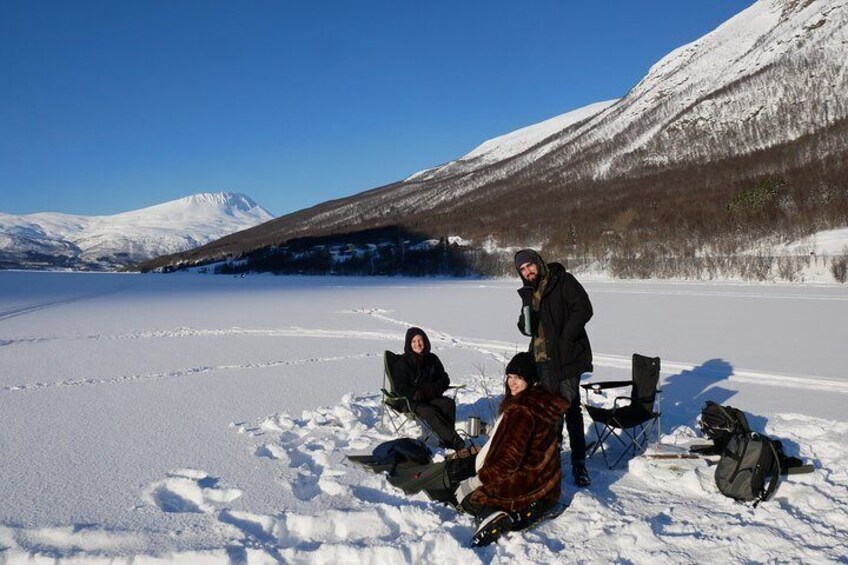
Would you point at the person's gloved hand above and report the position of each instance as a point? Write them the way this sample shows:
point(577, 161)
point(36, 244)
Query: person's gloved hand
point(466, 487)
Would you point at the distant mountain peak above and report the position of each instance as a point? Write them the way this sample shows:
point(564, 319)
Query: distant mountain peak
point(54, 239)
point(230, 199)
point(232, 202)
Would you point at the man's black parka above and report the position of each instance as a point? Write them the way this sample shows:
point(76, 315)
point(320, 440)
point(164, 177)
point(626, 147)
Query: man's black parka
point(563, 312)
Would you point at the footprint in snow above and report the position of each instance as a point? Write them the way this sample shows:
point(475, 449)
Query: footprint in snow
point(271, 451)
point(189, 490)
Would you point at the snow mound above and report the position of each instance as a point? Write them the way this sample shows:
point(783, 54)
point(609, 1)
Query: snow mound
point(189, 490)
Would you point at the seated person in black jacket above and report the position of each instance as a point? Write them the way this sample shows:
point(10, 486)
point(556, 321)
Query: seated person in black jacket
point(420, 377)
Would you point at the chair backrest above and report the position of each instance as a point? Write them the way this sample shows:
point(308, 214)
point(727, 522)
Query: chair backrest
point(390, 359)
point(646, 376)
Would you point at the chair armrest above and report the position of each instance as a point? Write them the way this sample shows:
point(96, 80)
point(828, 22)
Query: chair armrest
point(454, 389)
point(617, 398)
point(393, 397)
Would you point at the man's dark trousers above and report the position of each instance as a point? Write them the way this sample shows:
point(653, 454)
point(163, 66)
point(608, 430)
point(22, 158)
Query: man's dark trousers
point(570, 389)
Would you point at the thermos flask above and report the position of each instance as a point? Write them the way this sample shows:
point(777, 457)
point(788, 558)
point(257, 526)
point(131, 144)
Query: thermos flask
point(527, 326)
point(473, 426)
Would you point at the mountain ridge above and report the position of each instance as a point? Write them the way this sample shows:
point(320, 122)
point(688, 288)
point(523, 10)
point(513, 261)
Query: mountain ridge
point(760, 99)
point(53, 239)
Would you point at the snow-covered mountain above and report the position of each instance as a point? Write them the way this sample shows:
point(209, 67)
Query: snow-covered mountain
point(101, 242)
point(515, 142)
point(761, 95)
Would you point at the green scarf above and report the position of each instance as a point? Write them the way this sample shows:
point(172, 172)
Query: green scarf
point(540, 351)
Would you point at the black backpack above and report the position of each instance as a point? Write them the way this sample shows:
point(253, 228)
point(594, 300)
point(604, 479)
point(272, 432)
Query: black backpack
point(720, 423)
point(747, 461)
point(394, 452)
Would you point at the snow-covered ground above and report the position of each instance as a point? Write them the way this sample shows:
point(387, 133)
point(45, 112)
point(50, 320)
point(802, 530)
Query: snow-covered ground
point(828, 242)
point(204, 419)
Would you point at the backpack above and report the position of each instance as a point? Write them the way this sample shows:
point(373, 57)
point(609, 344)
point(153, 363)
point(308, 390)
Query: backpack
point(720, 423)
point(747, 461)
point(402, 450)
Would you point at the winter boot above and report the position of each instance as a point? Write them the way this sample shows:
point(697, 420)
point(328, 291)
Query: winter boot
point(492, 527)
point(581, 475)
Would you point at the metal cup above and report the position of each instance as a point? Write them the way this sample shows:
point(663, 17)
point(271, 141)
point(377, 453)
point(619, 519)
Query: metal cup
point(472, 426)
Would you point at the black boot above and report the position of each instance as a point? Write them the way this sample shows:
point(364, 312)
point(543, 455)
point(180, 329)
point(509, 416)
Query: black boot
point(492, 527)
point(581, 475)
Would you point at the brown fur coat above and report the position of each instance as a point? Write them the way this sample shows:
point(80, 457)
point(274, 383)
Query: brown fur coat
point(523, 465)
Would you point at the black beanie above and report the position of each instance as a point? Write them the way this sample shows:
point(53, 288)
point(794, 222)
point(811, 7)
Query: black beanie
point(525, 256)
point(523, 365)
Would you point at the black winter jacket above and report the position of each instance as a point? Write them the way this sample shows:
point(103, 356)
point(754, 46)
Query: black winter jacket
point(419, 377)
point(564, 311)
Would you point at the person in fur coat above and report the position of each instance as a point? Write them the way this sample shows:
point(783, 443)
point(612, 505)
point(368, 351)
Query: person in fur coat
point(520, 465)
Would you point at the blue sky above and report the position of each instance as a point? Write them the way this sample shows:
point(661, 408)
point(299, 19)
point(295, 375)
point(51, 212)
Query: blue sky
point(110, 106)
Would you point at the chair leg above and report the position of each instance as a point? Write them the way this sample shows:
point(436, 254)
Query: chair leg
point(601, 440)
point(392, 418)
point(632, 442)
point(383, 416)
point(399, 422)
point(659, 414)
point(627, 446)
point(657, 428)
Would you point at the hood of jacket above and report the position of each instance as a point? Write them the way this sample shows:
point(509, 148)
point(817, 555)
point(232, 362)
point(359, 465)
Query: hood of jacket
point(538, 261)
point(411, 333)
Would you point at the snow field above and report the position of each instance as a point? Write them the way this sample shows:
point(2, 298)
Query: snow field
point(192, 419)
point(665, 511)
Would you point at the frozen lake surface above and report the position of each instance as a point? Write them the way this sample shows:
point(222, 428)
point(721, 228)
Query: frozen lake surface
point(205, 418)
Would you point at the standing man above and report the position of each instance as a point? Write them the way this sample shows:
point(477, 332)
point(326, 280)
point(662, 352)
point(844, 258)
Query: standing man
point(554, 313)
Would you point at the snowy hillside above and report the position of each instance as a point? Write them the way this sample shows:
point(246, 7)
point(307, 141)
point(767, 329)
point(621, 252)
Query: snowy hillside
point(733, 91)
point(209, 422)
point(761, 95)
point(516, 142)
point(54, 239)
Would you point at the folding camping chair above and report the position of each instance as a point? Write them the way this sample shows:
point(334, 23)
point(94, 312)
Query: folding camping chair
point(397, 409)
point(628, 422)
